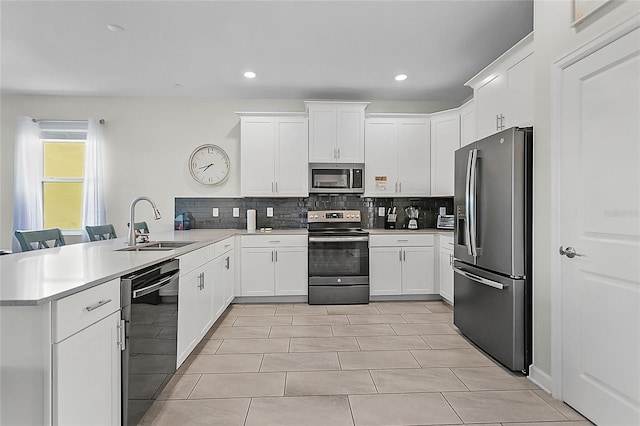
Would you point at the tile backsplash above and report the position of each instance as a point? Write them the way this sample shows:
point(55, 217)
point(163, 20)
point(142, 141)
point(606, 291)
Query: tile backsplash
point(292, 212)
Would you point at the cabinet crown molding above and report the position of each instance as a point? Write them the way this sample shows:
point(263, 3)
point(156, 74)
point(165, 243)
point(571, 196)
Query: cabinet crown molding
point(396, 115)
point(328, 102)
point(271, 114)
point(516, 53)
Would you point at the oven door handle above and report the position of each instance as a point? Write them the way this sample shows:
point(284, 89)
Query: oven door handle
point(337, 239)
point(155, 286)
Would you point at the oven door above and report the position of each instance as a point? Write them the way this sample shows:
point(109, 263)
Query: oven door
point(338, 260)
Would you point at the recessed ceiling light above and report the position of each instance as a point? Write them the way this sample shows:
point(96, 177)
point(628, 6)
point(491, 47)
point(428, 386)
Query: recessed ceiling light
point(115, 28)
point(401, 77)
point(249, 74)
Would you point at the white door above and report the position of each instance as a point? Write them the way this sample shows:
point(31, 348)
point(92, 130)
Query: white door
point(322, 134)
point(292, 164)
point(257, 139)
point(418, 272)
point(292, 275)
point(385, 270)
point(414, 157)
point(600, 205)
point(86, 376)
point(445, 139)
point(258, 271)
point(350, 134)
point(381, 167)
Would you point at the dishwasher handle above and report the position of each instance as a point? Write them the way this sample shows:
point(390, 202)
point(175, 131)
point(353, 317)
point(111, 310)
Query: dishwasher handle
point(155, 286)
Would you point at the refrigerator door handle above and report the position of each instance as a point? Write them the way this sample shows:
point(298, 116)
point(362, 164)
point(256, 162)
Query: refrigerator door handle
point(467, 206)
point(471, 212)
point(478, 279)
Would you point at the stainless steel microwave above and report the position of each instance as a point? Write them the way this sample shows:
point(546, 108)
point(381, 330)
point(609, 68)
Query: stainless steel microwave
point(329, 178)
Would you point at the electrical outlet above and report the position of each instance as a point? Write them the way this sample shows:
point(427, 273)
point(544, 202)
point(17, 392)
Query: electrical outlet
point(381, 211)
point(269, 211)
point(236, 212)
point(216, 212)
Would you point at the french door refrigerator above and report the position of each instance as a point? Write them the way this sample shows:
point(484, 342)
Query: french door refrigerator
point(492, 250)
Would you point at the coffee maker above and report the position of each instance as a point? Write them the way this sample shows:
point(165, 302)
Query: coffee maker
point(412, 215)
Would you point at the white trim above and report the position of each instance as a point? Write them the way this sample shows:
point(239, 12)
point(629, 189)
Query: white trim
point(557, 69)
point(540, 378)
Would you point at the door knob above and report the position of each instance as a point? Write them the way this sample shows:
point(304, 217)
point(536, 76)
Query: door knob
point(570, 252)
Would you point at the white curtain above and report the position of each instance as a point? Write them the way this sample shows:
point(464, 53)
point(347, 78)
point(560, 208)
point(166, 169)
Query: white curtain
point(93, 211)
point(27, 203)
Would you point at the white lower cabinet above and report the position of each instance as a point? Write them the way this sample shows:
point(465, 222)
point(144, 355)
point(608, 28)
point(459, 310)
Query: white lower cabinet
point(274, 265)
point(445, 267)
point(86, 375)
point(401, 264)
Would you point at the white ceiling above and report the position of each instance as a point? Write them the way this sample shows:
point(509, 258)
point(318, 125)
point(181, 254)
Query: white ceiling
point(299, 49)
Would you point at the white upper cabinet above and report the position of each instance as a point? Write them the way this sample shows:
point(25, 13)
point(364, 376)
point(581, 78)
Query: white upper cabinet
point(468, 123)
point(336, 131)
point(398, 155)
point(503, 91)
point(274, 155)
point(445, 139)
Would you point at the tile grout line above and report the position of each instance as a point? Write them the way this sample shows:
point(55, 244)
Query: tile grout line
point(374, 382)
point(353, 419)
point(457, 377)
point(194, 387)
point(549, 404)
point(454, 410)
point(246, 415)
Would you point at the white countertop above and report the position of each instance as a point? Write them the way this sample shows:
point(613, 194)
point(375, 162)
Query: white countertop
point(36, 277)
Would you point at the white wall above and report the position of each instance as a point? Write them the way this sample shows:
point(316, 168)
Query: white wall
point(554, 38)
point(147, 145)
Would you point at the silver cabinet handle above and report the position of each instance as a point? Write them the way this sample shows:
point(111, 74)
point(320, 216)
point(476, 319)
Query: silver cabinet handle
point(276, 255)
point(202, 281)
point(497, 122)
point(450, 260)
point(570, 252)
point(226, 266)
point(97, 305)
point(400, 187)
point(276, 186)
point(478, 279)
point(400, 255)
point(338, 152)
point(404, 256)
point(271, 255)
point(501, 122)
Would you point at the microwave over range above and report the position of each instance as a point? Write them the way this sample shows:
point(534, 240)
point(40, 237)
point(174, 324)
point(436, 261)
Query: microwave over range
point(331, 178)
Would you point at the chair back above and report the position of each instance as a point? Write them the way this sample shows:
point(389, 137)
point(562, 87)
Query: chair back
point(101, 232)
point(35, 240)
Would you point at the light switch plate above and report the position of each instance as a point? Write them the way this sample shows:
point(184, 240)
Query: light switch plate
point(380, 211)
point(236, 212)
point(216, 212)
point(269, 211)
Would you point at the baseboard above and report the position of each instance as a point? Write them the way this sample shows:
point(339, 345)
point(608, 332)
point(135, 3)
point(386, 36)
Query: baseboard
point(540, 378)
point(405, 297)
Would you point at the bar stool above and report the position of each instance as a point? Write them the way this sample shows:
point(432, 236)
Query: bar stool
point(101, 232)
point(27, 239)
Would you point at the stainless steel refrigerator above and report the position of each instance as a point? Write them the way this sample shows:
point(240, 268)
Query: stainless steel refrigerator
point(492, 265)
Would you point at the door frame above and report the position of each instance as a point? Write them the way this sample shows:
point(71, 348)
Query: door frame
point(554, 383)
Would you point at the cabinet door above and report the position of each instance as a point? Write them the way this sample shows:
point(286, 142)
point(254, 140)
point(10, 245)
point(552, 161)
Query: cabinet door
point(490, 103)
point(445, 272)
point(208, 297)
point(350, 134)
point(381, 166)
point(188, 328)
point(257, 156)
point(258, 271)
point(86, 376)
point(322, 133)
point(292, 164)
point(291, 273)
point(219, 289)
point(385, 271)
point(230, 278)
point(467, 124)
point(413, 157)
point(418, 272)
point(445, 139)
point(519, 110)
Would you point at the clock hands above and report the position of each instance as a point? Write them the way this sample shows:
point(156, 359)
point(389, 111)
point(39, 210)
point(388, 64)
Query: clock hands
point(206, 167)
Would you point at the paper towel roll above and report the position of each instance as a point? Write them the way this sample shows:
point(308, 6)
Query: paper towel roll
point(251, 220)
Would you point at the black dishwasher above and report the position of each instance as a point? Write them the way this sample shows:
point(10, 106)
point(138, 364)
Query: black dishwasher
point(150, 313)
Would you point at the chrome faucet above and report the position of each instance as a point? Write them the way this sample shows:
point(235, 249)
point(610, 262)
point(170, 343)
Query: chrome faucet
point(132, 228)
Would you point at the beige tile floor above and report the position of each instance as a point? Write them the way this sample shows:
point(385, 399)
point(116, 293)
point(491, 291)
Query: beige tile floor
point(386, 363)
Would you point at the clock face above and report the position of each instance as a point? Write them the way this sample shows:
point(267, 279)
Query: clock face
point(209, 165)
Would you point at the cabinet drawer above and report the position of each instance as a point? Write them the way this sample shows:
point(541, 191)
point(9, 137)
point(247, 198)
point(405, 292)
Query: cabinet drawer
point(274, 240)
point(223, 246)
point(192, 260)
point(73, 313)
point(401, 240)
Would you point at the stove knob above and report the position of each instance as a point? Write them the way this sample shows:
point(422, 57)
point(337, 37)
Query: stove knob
point(339, 280)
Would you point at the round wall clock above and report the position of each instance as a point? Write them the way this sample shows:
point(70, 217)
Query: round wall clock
point(209, 165)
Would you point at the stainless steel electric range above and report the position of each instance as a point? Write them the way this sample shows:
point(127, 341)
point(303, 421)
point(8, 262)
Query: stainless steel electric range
point(338, 258)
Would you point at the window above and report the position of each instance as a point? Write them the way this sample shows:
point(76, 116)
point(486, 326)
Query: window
point(63, 158)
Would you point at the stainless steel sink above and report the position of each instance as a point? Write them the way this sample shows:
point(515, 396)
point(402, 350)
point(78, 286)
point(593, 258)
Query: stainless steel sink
point(158, 246)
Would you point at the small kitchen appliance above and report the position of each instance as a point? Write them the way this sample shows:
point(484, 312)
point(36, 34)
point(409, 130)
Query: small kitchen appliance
point(445, 221)
point(412, 214)
point(331, 178)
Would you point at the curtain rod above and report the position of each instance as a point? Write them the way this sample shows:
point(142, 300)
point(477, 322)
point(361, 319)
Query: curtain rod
point(35, 120)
